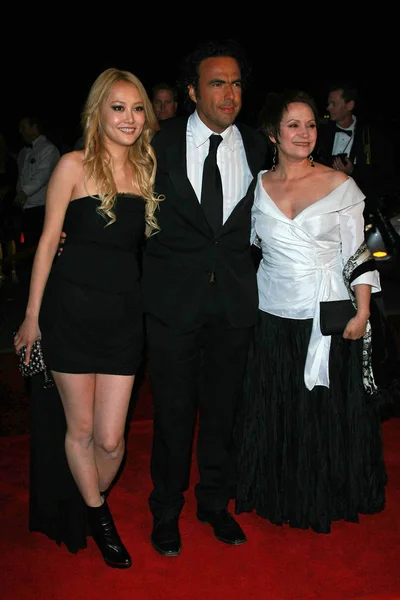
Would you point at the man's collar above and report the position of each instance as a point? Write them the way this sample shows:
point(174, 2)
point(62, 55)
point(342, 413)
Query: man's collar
point(201, 132)
point(39, 139)
point(350, 127)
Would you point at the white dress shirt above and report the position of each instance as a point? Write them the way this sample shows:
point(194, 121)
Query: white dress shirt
point(35, 166)
point(342, 143)
point(303, 260)
point(231, 159)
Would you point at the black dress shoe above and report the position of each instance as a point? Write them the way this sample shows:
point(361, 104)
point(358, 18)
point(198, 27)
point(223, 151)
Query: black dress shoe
point(165, 537)
point(226, 529)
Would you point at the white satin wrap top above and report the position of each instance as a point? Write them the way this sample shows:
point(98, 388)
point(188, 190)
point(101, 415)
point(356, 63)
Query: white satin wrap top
point(302, 262)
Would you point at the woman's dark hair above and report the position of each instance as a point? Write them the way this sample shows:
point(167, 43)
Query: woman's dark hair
point(190, 67)
point(276, 105)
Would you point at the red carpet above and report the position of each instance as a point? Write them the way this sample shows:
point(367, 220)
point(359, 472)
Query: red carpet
point(354, 561)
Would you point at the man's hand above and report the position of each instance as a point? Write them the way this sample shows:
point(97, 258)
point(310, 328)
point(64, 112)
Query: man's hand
point(20, 198)
point(61, 243)
point(343, 164)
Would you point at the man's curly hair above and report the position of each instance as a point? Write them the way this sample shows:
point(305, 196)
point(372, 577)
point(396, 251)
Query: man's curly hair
point(190, 67)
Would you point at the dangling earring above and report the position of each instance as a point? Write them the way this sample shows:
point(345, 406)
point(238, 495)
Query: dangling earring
point(273, 168)
point(310, 158)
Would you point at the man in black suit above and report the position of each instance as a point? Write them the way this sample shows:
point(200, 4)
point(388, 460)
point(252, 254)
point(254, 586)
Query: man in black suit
point(350, 144)
point(200, 293)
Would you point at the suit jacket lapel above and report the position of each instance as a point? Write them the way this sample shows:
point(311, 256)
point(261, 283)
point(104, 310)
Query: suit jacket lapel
point(252, 152)
point(357, 149)
point(176, 163)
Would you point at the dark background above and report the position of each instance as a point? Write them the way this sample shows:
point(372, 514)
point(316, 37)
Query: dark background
point(51, 68)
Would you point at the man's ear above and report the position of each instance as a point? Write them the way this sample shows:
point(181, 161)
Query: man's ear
point(351, 104)
point(192, 93)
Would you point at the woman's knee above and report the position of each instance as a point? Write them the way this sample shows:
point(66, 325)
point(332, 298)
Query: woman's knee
point(82, 436)
point(111, 444)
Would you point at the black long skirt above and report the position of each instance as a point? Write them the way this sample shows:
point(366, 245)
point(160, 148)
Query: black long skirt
point(306, 458)
point(56, 507)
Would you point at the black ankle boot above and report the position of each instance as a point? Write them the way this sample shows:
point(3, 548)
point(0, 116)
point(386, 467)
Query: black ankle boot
point(106, 536)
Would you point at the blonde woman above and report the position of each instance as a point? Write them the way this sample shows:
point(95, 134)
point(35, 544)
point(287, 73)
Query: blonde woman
point(86, 306)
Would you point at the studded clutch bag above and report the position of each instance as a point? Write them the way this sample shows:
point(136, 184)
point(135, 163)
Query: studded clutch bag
point(36, 364)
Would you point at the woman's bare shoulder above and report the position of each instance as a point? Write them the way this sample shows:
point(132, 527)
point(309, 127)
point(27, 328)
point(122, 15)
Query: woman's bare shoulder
point(335, 176)
point(330, 178)
point(72, 160)
point(70, 166)
point(68, 173)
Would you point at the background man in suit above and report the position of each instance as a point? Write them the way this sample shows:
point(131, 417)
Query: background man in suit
point(164, 99)
point(36, 162)
point(200, 293)
point(351, 144)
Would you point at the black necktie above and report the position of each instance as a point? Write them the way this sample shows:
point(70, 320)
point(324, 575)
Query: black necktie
point(211, 189)
point(340, 130)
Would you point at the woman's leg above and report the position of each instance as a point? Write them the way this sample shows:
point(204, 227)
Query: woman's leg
point(112, 397)
point(95, 407)
point(77, 392)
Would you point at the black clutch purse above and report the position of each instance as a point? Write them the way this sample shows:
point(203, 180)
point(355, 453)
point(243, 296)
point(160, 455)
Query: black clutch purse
point(335, 315)
point(36, 364)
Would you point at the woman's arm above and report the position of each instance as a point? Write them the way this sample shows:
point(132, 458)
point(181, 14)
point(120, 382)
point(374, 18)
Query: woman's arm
point(352, 236)
point(59, 194)
point(355, 328)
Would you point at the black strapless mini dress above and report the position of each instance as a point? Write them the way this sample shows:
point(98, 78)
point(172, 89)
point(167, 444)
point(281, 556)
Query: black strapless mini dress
point(91, 315)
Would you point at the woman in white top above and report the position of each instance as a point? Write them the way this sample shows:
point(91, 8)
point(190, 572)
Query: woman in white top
point(310, 453)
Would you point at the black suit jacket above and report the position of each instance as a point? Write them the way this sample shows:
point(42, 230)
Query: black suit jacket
point(179, 260)
point(374, 169)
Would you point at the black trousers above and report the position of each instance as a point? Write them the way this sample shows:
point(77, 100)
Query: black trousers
point(194, 373)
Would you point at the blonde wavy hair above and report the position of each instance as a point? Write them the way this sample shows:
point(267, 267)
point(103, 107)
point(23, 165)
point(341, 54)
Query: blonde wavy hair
point(97, 159)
